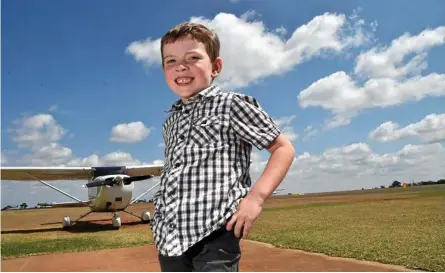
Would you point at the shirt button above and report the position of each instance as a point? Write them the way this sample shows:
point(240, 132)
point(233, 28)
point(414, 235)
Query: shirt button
point(177, 165)
point(181, 137)
point(186, 112)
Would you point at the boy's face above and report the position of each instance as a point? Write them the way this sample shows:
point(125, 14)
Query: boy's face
point(188, 68)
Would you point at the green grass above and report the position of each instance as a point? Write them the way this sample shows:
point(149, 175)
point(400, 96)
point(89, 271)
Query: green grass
point(303, 206)
point(393, 226)
point(16, 245)
point(407, 232)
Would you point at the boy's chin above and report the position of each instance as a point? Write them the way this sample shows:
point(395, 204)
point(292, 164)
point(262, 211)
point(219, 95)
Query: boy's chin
point(186, 94)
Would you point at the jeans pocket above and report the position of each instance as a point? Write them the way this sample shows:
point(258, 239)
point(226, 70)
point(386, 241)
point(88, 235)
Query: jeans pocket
point(217, 260)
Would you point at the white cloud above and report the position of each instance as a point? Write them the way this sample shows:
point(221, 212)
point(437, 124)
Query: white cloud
point(158, 162)
point(309, 132)
point(356, 166)
point(430, 129)
point(48, 155)
point(285, 120)
point(248, 15)
point(290, 133)
point(129, 132)
point(117, 158)
point(265, 52)
point(283, 123)
point(92, 160)
point(112, 159)
point(38, 130)
point(390, 61)
point(39, 134)
point(257, 164)
point(390, 79)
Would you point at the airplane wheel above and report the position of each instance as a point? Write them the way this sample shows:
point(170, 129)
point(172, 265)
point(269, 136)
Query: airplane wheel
point(117, 222)
point(145, 216)
point(66, 222)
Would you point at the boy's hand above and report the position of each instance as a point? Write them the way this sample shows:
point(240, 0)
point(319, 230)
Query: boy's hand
point(249, 209)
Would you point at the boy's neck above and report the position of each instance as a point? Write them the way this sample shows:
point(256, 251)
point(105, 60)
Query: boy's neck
point(194, 96)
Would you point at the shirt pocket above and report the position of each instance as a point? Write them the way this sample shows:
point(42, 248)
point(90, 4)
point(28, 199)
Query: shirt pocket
point(205, 131)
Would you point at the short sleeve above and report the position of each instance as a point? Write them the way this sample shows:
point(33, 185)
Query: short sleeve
point(251, 123)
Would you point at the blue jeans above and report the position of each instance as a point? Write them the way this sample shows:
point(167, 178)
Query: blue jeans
point(218, 252)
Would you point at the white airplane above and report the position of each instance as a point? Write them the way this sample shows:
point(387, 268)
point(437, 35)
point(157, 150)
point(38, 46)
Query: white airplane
point(110, 189)
point(276, 191)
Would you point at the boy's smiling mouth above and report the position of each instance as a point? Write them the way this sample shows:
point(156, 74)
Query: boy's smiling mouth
point(183, 80)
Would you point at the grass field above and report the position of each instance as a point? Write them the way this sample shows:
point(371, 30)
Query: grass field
point(394, 226)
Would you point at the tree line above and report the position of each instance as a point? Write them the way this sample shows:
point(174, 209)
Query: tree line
point(396, 183)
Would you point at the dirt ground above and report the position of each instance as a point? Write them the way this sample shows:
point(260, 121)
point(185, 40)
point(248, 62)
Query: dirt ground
point(256, 257)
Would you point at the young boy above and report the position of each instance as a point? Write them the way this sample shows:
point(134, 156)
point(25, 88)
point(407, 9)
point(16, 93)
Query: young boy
point(204, 204)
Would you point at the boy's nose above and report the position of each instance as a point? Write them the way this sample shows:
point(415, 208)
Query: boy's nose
point(181, 67)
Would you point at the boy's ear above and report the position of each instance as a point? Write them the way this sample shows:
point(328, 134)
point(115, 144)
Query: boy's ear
point(217, 67)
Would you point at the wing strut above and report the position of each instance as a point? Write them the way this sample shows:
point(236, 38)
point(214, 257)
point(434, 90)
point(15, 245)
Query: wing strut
point(140, 196)
point(51, 186)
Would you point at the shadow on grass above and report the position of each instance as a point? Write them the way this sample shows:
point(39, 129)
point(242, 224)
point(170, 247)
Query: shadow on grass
point(78, 227)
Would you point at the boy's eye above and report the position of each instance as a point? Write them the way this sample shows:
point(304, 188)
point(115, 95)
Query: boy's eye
point(194, 57)
point(170, 61)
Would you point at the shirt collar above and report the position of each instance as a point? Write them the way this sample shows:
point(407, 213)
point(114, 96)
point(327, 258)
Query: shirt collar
point(209, 92)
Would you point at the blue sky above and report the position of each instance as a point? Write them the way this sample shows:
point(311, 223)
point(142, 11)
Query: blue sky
point(330, 73)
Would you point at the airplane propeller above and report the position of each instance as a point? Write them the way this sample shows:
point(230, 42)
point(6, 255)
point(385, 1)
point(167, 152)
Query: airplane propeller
point(128, 180)
point(114, 180)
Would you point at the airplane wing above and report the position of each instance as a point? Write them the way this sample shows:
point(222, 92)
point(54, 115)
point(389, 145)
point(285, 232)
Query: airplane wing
point(145, 170)
point(45, 173)
point(74, 173)
point(70, 204)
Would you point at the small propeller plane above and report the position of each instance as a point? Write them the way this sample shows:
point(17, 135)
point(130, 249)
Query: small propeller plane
point(110, 189)
point(276, 191)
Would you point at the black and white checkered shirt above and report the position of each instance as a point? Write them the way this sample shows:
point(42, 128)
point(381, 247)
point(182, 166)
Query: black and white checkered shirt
point(208, 142)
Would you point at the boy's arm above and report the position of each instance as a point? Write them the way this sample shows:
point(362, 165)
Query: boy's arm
point(281, 157)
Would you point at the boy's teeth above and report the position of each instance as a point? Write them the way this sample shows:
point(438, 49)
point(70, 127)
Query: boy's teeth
point(183, 80)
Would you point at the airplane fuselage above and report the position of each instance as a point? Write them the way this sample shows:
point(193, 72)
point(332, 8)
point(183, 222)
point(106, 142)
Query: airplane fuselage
point(110, 198)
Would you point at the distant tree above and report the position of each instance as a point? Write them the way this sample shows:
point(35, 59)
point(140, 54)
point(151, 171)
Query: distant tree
point(7, 207)
point(396, 184)
point(382, 187)
point(23, 206)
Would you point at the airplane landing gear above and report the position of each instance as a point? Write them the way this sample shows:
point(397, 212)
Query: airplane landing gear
point(66, 222)
point(116, 220)
point(145, 216)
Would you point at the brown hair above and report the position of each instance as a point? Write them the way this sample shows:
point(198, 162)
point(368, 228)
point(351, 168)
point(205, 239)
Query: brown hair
point(198, 32)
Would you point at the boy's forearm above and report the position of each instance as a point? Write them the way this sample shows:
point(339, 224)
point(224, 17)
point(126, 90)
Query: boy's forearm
point(280, 160)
